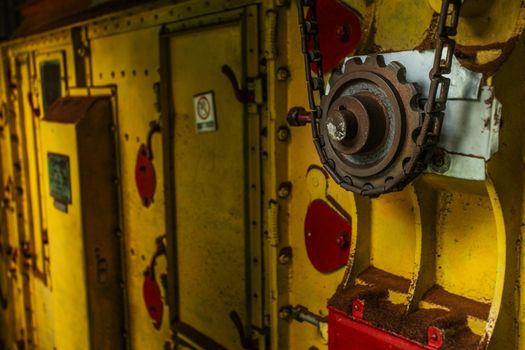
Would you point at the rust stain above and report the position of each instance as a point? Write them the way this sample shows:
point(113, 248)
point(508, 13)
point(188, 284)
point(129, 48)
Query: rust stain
point(466, 55)
point(437, 295)
point(429, 41)
point(394, 318)
point(486, 123)
point(489, 100)
point(377, 277)
point(369, 46)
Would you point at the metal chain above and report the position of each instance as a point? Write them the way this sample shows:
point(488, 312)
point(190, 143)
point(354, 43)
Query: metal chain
point(435, 104)
point(433, 110)
point(313, 59)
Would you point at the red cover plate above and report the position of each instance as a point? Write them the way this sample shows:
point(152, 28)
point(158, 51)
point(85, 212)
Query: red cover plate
point(327, 237)
point(145, 177)
point(339, 32)
point(345, 333)
point(153, 300)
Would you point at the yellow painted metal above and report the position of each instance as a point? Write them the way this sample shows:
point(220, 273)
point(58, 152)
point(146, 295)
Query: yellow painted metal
point(459, 236)
point(505, 172)
point(134, 76)
point(210, 185)
point(41, 296)
point(466, 232)
point(415, 234)
point(482, 22)
point(66, 245)
point(275, 169)
point(416, 17)
point(394, 234)
point(20, 209)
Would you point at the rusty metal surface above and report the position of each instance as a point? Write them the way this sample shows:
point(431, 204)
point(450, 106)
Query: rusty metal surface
point(70, 110)
point(386, 117)
point(422, 138)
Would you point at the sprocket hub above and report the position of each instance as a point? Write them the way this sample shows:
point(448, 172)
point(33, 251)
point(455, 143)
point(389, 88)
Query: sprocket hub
point(369, 126)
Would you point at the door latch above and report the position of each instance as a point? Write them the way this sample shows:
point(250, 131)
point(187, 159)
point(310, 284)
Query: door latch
point(145, 177)
point(242, 95)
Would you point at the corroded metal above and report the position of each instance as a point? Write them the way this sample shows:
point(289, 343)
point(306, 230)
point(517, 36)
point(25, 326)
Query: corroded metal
point(379, 104)
point(389, 156)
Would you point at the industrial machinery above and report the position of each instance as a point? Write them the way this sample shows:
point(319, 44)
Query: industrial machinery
point(263, 174)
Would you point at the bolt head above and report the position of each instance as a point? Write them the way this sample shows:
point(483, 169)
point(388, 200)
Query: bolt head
point(342, 240)
point(284, 190)
point(284, 259)
point(283, 133)
point(284, 314)
point(341, 32)
point(341, 125)
point(283, 74)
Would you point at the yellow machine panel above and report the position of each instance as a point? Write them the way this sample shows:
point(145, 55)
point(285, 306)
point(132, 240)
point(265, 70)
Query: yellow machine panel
point(263, 175)
point(209, 174)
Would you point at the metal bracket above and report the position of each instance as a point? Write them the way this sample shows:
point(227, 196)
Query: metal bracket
point(470, 131)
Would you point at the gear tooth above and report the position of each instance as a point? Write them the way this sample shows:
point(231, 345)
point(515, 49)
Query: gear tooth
point(333, 78)
point(376, 60)
point(352, 62)
point(396, 65)
point(399, 70)
point(414, 102)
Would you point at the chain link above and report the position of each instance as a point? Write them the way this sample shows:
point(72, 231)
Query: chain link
point(313, 60)
point(434, 106)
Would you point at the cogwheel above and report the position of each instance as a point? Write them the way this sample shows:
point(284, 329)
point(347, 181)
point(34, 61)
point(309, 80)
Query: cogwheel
point(368, 127)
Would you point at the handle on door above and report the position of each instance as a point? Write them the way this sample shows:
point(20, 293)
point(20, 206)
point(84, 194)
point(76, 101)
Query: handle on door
point(34, 110)
point(242, 95)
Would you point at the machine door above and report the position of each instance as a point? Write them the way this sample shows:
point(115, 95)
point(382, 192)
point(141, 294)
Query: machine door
point(215, 188)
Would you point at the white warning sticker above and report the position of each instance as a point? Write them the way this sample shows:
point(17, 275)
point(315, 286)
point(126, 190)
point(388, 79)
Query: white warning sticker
point(204, 106)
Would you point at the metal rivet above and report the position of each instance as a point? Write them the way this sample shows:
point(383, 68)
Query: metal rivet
point(284, 313)
point(285, 255)
point(284, 190)
point(283, 133)
point(283, 74)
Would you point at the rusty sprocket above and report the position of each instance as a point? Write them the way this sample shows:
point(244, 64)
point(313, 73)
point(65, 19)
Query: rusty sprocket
point(369, 126)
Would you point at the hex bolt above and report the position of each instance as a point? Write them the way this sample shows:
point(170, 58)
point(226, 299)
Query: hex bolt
point(285, 255)
point(284, 313)
point(283, 74)
point(298, 116)
point(440, 162)
point(284, 190)
point(341, 32)
point(342, 240)
point(342, 125)
point(283, 133)
point(82, 51)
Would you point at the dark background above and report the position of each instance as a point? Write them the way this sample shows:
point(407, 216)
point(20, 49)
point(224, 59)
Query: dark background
point(19, 18)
